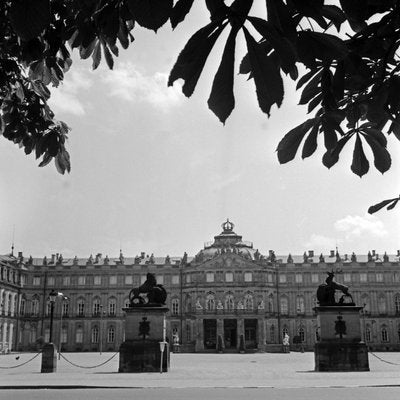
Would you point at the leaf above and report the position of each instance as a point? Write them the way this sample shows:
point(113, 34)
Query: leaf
point(314, 102)
point(360, 164)
point(179, 12)
point(313, 9)
point(267, 78)
point(282, 46)
point(217, 8)
point(151, 14)
point(306, 77)
point(192, 58)
point(245, 66)
point(393, 205)
point(310, 90)
point(310, 144)
point(334, 14)
point(108, 56)
point(96, 56)
point(222, 100)
point(376, 207)
point(29, 18)
point(382, 159)
point(289, 144)
point(331, 157)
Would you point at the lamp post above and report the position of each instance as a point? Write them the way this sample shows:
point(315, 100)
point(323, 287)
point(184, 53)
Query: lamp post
point(52, 298)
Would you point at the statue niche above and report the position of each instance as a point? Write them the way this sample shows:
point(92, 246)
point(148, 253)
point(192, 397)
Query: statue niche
point(326, 293)
point(149, 294)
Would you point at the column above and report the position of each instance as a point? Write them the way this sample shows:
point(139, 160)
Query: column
point(261, 334)
point(220, 328)
point(1, 301)
point(199, 335)
point(4, 338)
point(6, 302)
point(13, 304)
point(10, 337)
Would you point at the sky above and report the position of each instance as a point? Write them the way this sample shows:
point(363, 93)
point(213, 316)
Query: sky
point(156, 172)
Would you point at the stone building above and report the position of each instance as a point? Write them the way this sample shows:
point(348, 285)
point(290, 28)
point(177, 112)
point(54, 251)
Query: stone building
point(228, 294)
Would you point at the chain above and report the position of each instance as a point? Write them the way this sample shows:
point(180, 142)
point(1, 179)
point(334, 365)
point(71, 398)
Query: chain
point(20, 365)
point(89, 367)
point(381, 359)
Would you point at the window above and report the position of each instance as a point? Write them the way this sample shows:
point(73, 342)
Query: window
point(48, 308)
point(300, 307)
point(81, 280)
point(160, 279)
point(284, 305)
point(95, 334)
point(285, 331)
point(65, 309)
point(365, 303)
point(79, 335)
point(36, 281)
point(282, 278)
point(175, 279)
point(269, 278)
point(111, 334)
point(379, 277)
point(50, 281)
point(272, 334)
point(397, 303)
point(298, 278)
point(270, 303)
point(143, 279)
point(66, 281)
point(112, 305)
point(396, 277)
point(314, 278)
point(229, 302)
point(128, 280)
point(97, 280)
point(210, 302)
point(210, 277)
point(248, 276)
point(228, 277)
point(64, 334)
point(22, 307)
point(363, 277)
point(381, 305)
point(96, 307)
point(113, 280)
point(188, 333)
point(126, 303)
point(47, 335)
point(81, 308)
point(302, 334)
point(35, 307)
point(175, 306)
point(384, 334)
point(368, 334)
point(347, 277)
point(188, 278)
point(32, 336)
point(248, 301)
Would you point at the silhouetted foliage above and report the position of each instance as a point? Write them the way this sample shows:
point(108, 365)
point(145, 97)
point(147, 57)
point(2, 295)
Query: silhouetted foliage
point(351, 82)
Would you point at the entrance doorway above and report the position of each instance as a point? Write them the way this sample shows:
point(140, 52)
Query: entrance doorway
point(230, 333)
point(250, 333)
point(210, 333)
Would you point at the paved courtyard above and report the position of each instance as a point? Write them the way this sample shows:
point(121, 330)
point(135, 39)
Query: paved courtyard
point(260, 370)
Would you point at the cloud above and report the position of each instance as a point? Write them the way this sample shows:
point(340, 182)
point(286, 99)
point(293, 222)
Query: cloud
point(129, 84)
point(65, 97)
point(321, 243)
point(357, 226)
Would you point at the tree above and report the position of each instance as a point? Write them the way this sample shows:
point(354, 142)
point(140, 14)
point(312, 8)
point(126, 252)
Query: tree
point(350, 83)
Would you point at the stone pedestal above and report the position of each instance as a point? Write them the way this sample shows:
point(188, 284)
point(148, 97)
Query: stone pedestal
point(49, 358)
point(144, 330)
point(340, 347)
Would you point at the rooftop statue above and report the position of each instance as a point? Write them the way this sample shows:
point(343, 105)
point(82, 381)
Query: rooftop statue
point(326, 293)
point(150, 294)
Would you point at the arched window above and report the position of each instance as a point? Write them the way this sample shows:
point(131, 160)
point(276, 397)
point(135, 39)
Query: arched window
point(95, 334)
point(188, 333)
point(272, 334)
point(65, 308)
point(210, 302)
point(22, 306)
point(81, 308)
point(367, 334)
point(175, 306)
point(112, 307)
point(64, 334)
point(285, 331)
point(381, 304)
point(47, 335)
point(300, 307)
point(384, 334)
point(126, 303)
point(397, 303)
point(35, 306)
point(79, 335)
point(284, 305)
point(229, 302)
point(248, 301)
point(270, 303)
point(96, 307)
point(302, 334)
point(111, 334)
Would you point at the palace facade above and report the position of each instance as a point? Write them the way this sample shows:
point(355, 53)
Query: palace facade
point(228, 295)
